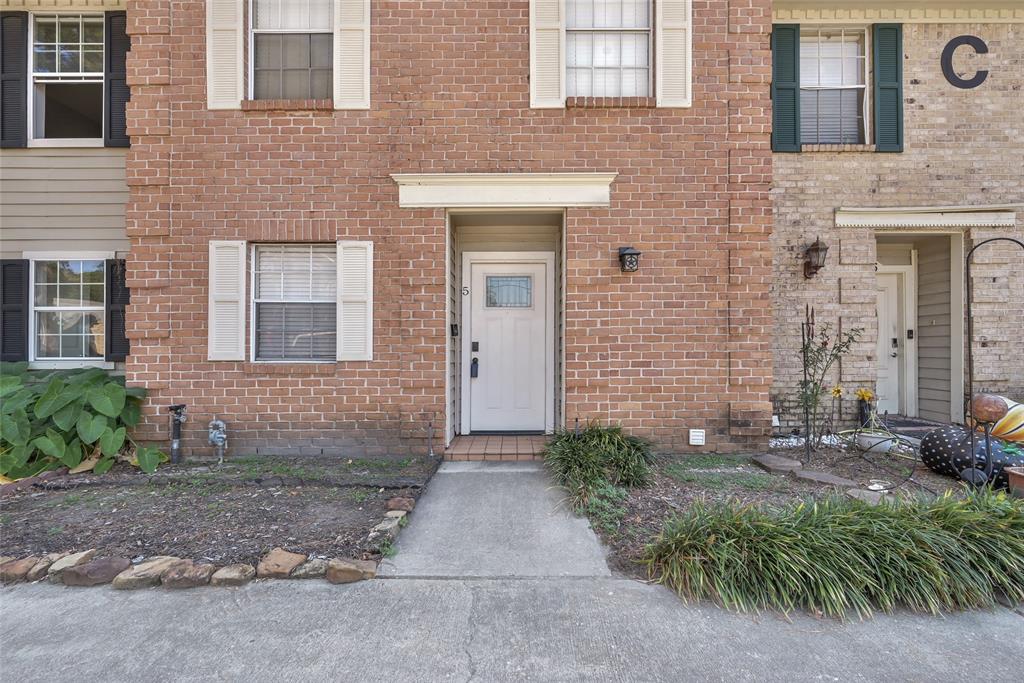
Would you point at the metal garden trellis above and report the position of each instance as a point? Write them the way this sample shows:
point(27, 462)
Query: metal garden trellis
point(975, 477)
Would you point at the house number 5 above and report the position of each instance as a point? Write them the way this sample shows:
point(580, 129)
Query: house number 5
point(979, 47)
point(465, 291)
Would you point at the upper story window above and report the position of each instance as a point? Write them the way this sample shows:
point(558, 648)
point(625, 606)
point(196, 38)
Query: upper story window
point(292, 49)
point(608, 48)
point(833, 86)
point(66, 94)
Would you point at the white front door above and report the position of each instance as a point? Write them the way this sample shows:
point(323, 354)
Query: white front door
point(890, 343)
point(508, 342)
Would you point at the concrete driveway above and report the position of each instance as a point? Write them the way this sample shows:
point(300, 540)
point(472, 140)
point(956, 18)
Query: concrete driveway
point(526, 603)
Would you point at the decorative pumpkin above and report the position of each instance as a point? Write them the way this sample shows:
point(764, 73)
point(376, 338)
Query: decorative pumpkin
point(988, 408)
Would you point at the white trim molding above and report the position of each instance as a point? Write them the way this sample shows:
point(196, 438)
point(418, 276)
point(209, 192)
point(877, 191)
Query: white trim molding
point(503, 190)
point(904, 11)
point(926, 217)
point(62, 5)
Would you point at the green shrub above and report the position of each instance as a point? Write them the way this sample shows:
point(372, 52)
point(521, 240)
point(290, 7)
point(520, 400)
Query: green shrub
point(62, 417)
point(595, 457)
point(841, 555)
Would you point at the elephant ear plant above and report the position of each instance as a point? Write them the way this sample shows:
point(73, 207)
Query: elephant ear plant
point(50, 419)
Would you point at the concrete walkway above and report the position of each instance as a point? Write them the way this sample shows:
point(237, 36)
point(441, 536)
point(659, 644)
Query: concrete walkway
point(574, 629)
point(495, 519)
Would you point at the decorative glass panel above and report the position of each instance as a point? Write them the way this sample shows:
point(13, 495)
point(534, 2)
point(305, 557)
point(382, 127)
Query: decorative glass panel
point(509, 291)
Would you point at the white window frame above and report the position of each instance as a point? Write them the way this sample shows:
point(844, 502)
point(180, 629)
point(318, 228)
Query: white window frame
point(865, 31)
point(63, 363)
point(251, 32)
point(649, 30)
point(79, 78)
point(253, 301)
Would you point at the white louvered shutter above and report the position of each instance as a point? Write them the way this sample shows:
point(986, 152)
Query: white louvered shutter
point(351, 54)
point(355, 300)
point(225, 24)
point(673, 38)
point(547, 54)
point(226, 314)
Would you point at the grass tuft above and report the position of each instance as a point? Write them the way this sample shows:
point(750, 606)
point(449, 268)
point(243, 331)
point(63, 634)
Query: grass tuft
point(840, 555)
point(595, 457)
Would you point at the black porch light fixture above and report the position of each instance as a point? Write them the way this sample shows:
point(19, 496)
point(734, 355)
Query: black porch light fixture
point(629, 259)
point(814, 257)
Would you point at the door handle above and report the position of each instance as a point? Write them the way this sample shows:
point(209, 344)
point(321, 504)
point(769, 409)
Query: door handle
point(895, 347)
point(474, 367)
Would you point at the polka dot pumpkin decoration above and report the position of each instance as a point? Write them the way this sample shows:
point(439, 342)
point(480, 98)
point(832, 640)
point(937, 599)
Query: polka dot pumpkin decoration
point(947, 450)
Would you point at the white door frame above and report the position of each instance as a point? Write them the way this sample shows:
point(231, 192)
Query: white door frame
point(548, 259)
point(908, 360)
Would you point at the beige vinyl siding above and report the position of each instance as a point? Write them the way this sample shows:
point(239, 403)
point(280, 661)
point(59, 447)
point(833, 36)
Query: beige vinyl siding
point(62, 199)
point(508, 238)
point(933, 316)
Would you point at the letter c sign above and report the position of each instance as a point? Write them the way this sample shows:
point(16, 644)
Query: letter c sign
point(979, 47)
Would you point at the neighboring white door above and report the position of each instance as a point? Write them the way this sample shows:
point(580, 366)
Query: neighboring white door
point(890, 343)
point(508, 343)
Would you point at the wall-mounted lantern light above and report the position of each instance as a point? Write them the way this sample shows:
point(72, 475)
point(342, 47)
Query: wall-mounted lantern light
point(629, 259)
point(814, 257)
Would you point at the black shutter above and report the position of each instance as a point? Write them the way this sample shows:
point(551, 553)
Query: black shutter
point(117, 298)
point(14, 310)
point(786, 88)
point(13, 79)
point(115, 81)
point(888, 58)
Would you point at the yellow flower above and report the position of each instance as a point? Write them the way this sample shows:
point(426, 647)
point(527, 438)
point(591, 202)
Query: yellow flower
point(837, 391)
point(865, 394)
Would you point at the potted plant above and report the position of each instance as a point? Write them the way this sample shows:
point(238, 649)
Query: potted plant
point(871, 436)
point(1015, 479)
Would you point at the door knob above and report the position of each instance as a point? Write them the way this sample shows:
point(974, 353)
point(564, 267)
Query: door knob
point(895, 347)
point(474, 367)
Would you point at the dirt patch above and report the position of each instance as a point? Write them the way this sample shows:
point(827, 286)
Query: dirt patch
point(233, 513)
point(628, 520)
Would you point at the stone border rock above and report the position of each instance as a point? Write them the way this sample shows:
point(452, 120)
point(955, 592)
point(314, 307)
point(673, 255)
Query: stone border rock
point(84, 568)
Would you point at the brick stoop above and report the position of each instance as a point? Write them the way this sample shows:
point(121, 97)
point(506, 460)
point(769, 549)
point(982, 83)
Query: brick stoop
point(507, 448)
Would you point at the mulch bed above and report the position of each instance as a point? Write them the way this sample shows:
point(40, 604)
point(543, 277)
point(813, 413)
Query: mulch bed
point(232, 513)
point(678, 481)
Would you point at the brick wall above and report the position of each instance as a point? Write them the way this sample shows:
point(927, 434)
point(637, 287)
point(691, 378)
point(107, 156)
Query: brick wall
point(963, 147)
point(682, 343)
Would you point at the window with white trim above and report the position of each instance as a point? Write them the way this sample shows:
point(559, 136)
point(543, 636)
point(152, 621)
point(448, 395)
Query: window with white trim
point(66, 92)
point(68, 310)
point(608, 48)
point(292, 49)
point(833, 86)
point(295, 302)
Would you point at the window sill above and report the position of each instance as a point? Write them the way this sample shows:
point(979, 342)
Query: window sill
point(287, 105)
point(65, 142)
point(837, 148)
point(610, 103)
point(70, 364)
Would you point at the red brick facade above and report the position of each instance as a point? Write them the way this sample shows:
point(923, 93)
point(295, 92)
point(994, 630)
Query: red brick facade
point(683, 343)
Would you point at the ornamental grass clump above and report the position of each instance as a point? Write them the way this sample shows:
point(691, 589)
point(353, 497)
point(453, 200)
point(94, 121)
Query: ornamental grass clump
point(840, 555)
point(595, 457)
